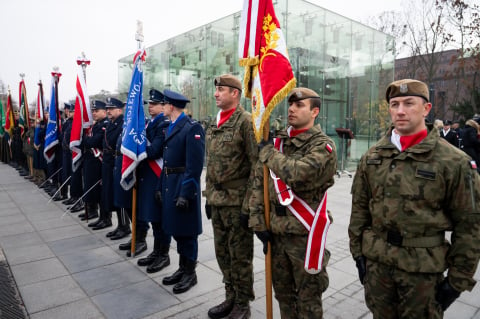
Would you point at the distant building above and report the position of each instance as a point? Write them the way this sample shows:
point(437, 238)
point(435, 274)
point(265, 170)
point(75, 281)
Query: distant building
point(448, 84)
point(347, 63)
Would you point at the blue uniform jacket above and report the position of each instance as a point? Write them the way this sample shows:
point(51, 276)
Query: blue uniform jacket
point(112, 131)
point(92, 166)
point(121, 197)
point(184, 147)
point(148, 209)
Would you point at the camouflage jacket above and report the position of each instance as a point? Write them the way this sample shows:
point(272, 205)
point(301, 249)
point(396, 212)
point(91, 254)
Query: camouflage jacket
point(422, 192)
point(231, 154)
point(308, 164)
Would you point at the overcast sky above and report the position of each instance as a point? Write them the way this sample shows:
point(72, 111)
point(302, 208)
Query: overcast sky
point(38, 35)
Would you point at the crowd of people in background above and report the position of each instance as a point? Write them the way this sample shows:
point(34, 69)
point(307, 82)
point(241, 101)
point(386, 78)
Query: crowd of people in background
point(466, 138)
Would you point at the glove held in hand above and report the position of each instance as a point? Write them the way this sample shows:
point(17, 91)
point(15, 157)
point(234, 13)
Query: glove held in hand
point(361, 263)
point(264, 237)
point(446, 294)
point(182, 203)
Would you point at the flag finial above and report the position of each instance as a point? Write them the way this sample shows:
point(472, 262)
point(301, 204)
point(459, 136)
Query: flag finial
point(22, 75)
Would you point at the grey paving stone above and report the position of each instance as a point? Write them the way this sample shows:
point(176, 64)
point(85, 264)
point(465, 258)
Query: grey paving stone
point(50, 293)
point(50, 235)
point(14, 218)
point(80, 309)
point(36, 271)
point(20, 240)
point(16, 228)
point(75, 244)
point(134, 301)
point(102, 279)
point(88, 259)
point(51, 223)
point(20, 255)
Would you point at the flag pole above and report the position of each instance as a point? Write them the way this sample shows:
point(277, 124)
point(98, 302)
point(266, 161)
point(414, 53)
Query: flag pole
point(139, 39)
point(268, 256)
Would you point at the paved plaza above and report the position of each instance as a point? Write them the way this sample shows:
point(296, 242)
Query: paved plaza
point(63, 269)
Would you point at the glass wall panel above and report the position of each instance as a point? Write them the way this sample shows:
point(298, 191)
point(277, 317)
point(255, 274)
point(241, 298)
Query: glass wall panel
point(348, 64)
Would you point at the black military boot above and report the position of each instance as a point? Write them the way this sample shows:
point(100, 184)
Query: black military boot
point(70, 201)
point(177, 275)
point(123, 228)
point(140, 244)
point(147, 261)
point(91, 211)
point(126, 246)
point(189, 278)
point(222, 310)
point(106, 221)
point(79, 206)
point(161, 261)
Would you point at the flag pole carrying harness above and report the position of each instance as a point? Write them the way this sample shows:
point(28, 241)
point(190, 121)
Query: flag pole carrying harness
point(316, 222)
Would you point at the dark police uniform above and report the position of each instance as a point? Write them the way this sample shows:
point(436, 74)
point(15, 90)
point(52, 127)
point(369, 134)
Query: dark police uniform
point(148, 175)
point(112, 131)
point(92, 162)
point(183, 155)
point(66, 152)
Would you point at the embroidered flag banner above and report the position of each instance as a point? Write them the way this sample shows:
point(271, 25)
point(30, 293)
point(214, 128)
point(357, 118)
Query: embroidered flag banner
point(134, 136)
point(39, 113)
point(24, 118)
point(2, 119)
point(82, 118)
point(9, 121)
point(263, 52)
point(51, 136)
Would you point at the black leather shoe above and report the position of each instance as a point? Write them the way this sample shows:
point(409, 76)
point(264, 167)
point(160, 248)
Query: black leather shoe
point(90, 216)
point(174, 278)
point(139, 248)
point(70, 201)
point(78, 207)
point(126, 246)
point(111, 233)
point(103, 224)
point(188, 281)
point(95, 223)
point(158, 264)
point(121, 233)
point(147, 261)
point(58, 197)
point(222, 310)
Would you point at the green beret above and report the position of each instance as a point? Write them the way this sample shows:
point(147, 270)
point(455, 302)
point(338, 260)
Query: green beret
point(228, 80)
point(407, 87)
point(300, 93)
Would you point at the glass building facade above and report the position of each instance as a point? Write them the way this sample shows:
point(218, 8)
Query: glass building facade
point(347, 63)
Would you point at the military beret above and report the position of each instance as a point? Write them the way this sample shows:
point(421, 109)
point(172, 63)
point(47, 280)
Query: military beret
point(114, 103)
point(407, 87)
point(156, 96)
point(301, 93)
point(174, 98)
point(228, 80)
point(98, 105)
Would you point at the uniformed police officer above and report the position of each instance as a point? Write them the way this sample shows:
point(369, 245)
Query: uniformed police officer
point(69, 110)
point(92, 144)
point(148, 176)
point(232, 153)
point(112, 131)
point(183, 155)
point(409, 189)
point(76, 182)
point(302, 166)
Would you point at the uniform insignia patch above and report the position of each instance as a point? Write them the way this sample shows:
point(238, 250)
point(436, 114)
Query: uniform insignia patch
point(403, 88)
point(473, 164)
point(197, 136)
point(329, 148)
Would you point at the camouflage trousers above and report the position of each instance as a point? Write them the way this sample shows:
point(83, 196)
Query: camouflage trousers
point(299, 293)
point(391, 293)
point(234, 252)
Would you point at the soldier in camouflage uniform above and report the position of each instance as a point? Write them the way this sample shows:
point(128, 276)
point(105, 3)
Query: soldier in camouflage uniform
point(307, 165)
point(231, 154)
point(409, 189)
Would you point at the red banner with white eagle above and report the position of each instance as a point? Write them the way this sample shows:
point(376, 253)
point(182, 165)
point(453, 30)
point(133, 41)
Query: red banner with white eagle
point(263, 52)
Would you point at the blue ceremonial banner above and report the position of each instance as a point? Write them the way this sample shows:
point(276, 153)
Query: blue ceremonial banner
point(51, 137)
point(134, 136)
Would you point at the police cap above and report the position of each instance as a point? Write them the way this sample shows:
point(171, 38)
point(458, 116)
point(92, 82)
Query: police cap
point(98, 105)
point(174, 98)
point(114, 103)
point(156, 97)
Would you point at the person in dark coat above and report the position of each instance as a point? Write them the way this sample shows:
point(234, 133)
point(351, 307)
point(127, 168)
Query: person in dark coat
point(183, 156)
point(148, 176)
point(112, 131)
point(122, 200)
point(449, 133)
point(471, 143)
point(92, 144)
point(69, 110)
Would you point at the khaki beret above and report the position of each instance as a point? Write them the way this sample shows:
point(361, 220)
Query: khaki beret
point(300, 93)
point(407, 87)
point(228, 80)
